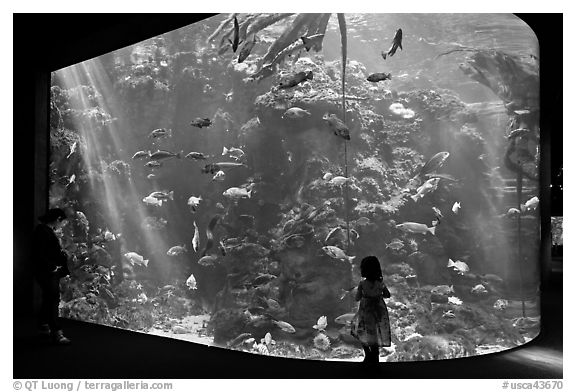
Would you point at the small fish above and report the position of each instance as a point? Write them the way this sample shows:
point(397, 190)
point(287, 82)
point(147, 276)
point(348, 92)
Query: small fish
point(263, 279)
point(194, 202)
point(459, 266)
point(191, 282)
point(222, 248)
point(196, 238)
point(160, 154)
point(153, 164)
point(449, 314)
point(234, 152)
point(438, 213)
point(429, 186)
point(160, 132)
point(443, 176)
point(337, 126)
point(141, 154)
point(456, 207)
point(238, 339)
point(135, 258)
point(220, 205)
point(237, 193)
point(176, 250)
point(344, 292)
point(512, 212)
point(478, 289)
point(327, 177)
point(378, 77)
point(331, 233)
point(419, 228)
point(396, 43)
point(71, 180)
point(208, 260)
point(109, 236)
point(313, 41)
point(284, 326)
point(344, 318)
point(246, 49)
point(530, 204)
point(162, 195)
point(227, 165)
point(219, 176)
point(321, 324)
point(152, 201)
point(395, 244)
point(500, 304)
point(454, 300)
point(236, 38)
point(228, 96)
point(196, 155)
point(151, 176)
point(337, 253)
point(362, 221)
point(72, 149)
point(296, 112)
point(295, 79)
point(201, 122)
point(338, 180)
point(434, 163)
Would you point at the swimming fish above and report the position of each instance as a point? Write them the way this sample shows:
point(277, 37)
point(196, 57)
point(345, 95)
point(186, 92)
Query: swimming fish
point(500, 304)
point(141, 154)
point(321, 324)
point(208, 260)
point(135, 258)
point(262, 279)
point(160, 132)
point(201, 122)
point(379, 76)
point(434, 163)
point(237, 193)
point(160, 154)
point(284, 326)
point(219, 176)
point(331, 233)
point(338, 180)
point(396, 244)
point(234, 152)
point(512, 212)
point(191, 282)
point(71, 180)
point(344, 318)
point(194, 202)
point(246, 49)
point(456, 207)
point(454, 300)
point(327, 177)
point(196, 238)
point(162, 195)
point(530, 204)
point(337, 126)
point(438, 213)
point(152, 201)
point(429, 186)
point(151, 176)
point(449, 314)
point(362, 221)
point(210, 234)
point(337, 253)
point(459, 266)
point(296, 112)
point(293, 80)
point(313, 41)
point(419, 228)
point(196, 155)
point(176, 250)
point(478, 289)
point(238, 339)
point(153, 164)
point(396, 43)
point(72, 149)
point(236, 38)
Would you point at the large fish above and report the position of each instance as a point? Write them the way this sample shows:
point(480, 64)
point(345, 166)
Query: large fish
point(337, 253)
point(426, 188)
point(344, 318)
point(284, 326)
point(196, 238)
point(379, 76)
point(337, 126)
point(459, 266)
point(313, 41)
point(160, 154)
point(530, 204)
point(418, 228)
point(160, 132)
point(434, 163)
point(237, 193)
point(135, 258)
point(141, 154)
point(236, 38)
point(295, 79)
point(246, 49)
point(396, 43)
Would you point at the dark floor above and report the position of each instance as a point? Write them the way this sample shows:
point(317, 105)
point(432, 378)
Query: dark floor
point(104, 352)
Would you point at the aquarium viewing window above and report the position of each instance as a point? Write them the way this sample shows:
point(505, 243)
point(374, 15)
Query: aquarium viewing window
point(226, 180)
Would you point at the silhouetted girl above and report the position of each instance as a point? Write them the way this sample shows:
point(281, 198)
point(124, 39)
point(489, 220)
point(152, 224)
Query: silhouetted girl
point(371, 324)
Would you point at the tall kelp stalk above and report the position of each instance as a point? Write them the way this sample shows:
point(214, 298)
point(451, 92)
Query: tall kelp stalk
point(344, 40)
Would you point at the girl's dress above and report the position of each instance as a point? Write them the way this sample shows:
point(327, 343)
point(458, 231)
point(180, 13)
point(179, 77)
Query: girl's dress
point(371, 324)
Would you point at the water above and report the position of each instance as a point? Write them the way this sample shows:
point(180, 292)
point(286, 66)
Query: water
point(134, 263)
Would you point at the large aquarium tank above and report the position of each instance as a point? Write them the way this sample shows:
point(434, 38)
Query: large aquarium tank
point(223, 182)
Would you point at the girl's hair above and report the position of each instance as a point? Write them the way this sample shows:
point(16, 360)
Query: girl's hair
point(52, 215)
point(370, 268)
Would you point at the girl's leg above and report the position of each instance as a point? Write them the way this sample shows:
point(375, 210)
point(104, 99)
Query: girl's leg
point(367, 353)
point(375, 354)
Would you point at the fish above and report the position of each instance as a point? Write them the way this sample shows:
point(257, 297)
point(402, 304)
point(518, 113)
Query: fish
point(327, 177)
point(109, 236)
point(160, 132)
point(135, 258)
point(234, 152)
point(313, 41)
point(337, 253)
point(219, 205)
point(284, 326)
point(72, 149)
point(338, 180)
point(238, 339)
point(454, 300)
point(331, 233)
point(196, 238)
point(362, 221)
point(478, 289)
point(396, 43)
point(337, 126)
point(434, 163)
point(151, 176)
point(194, 202)
point(201, 122)
point(209, 234)
point(141, 154)
point(262, 279)
point(448, 314)
point(443, 289)
point(267, 339)
point(191, 282)
point(396, 244)
point(222, 248)
point(295, 241)
point(237, 193)
point(219, 176)
point(236, 38)
point(246, 49)
point(378, 77)
point(344, 318)
point(177, 250)
point(296, 112)
point(227, 165)
point(208, 260)
point(246, 219)
point(456, 207)
point(162, 195)
point(512, 212)
point(500, 304)
point(152, 201)
point(293, 80)
point(196, 155)
point(160, 154)
point(418, 228)
point(443, 176)
point(321, 324)
point(429, 186)
point(346, 292)
point(530, 204)
point(153, 164)
point(71, 180)
point(459, 266)
point(438, 213)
